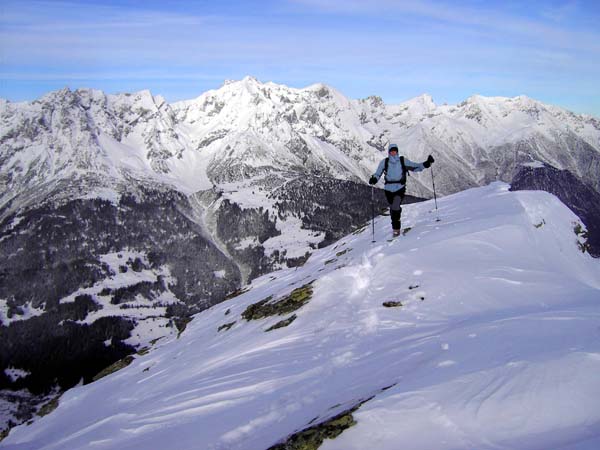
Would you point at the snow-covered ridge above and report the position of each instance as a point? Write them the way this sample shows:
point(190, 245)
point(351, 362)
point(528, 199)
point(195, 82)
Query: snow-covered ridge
point(492, 347)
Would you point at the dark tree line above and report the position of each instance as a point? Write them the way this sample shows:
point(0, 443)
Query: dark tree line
point(335, 207)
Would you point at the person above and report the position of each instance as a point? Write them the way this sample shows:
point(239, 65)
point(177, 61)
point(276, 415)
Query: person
point(396, 168)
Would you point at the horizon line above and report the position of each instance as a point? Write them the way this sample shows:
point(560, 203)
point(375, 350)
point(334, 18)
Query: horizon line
point(226, 82)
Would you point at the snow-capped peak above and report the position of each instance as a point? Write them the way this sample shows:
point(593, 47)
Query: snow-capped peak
point(247, 128)
point(421, 105)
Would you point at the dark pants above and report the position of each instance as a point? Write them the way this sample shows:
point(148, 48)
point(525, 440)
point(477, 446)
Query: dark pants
point(395, 200)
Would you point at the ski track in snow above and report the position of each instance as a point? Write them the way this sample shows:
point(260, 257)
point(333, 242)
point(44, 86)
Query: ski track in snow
point(496, 345)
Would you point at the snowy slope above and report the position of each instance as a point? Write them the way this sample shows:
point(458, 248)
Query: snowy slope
point(496, 346)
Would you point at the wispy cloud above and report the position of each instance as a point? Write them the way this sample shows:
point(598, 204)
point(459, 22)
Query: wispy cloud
point(392, 48)
point(560, 12)
point(491, 19)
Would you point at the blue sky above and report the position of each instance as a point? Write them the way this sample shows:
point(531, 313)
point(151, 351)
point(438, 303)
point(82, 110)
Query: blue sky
point(548, 50)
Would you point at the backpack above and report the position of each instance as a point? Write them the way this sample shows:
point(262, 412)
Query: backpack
point(404, 172)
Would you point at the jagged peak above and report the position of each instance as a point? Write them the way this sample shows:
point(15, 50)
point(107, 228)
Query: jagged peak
point(529, 103)
point(422, 104)
point(247, 81)
point(248, 84)
point(144, 93)
point(89, 91)
point(423, 99)
point(252, 83)
point(524, 98)
point(476, 98)
point(251, 79)
point(322, 90)
point(57, 94)
point(479, 99)
point(316, 87)
point(84, 93)
point(486, 100)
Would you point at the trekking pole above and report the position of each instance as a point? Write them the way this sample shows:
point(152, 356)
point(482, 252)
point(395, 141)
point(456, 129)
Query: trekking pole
point(434, 195)
point(373, 213)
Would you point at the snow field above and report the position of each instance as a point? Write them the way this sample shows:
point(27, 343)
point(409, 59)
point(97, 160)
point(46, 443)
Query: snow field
point(496, 346)
point(149, 323)
point(25, 312)
point(294, 239)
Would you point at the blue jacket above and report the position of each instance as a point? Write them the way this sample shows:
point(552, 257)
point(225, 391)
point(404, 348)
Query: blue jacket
point(394, 172)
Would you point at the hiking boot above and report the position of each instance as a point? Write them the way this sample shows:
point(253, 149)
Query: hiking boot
point(396, 233)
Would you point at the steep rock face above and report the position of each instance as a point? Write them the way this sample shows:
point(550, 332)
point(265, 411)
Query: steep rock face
point(579, 197)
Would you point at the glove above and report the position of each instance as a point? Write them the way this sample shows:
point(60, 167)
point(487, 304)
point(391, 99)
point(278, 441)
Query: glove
point(429, 162)
point(372, 180)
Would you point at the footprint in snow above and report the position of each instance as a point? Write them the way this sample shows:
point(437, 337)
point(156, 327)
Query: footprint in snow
point(419, 295)
point(416, 295)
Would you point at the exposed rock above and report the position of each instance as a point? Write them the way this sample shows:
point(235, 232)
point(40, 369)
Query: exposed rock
point(582, 199)
point(311, 438)
point(226, 326)
point(282, 323)
point(290, 303)
point(120, 364)
point(47, 408)
point(392, 304)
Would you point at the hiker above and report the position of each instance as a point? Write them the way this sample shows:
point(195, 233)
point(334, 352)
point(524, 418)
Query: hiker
point(395, 168)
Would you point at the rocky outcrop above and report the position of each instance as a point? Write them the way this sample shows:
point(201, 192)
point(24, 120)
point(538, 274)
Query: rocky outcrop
point(582, 199)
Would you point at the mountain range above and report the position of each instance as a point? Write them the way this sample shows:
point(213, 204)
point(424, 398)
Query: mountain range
point(248, 129)
point(123, 215)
